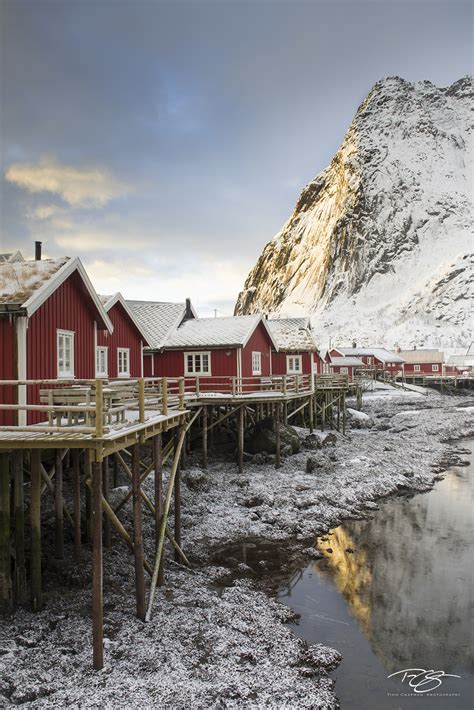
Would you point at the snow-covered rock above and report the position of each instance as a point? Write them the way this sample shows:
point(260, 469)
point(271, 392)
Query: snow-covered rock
point(377, 246)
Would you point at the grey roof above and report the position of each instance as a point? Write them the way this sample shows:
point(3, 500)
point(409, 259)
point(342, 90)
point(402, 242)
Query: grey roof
point(347, 362)
point(421, 356)
point(461, 360)
point(292, 334)
point(11, 257)
point(157, 319)
point(380, 353)
point(233, 331)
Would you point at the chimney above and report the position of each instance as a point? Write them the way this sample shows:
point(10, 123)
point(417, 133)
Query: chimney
point(188, 315)
point(354, 344)
point(38, 246)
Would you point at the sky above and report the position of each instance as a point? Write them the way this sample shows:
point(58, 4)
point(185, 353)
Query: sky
point(165, 143)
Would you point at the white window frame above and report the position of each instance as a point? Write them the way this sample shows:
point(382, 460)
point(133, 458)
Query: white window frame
point(369, 360)
point(193, 372)
point(121, 351)
point(434, 368)
point(65, 374)
point(343, 370)
point(256, 363)
point(105, 372)
point(292, 360)
point(416, 368)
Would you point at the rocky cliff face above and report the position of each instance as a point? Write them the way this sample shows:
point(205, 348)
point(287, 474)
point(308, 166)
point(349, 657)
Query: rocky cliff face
point(377, 246)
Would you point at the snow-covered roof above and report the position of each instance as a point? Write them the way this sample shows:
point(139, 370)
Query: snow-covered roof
point(28, 284)
point(380, 353)
point(11, 257)
point(158, 319)
point(461, 360)
point(292, 334)
point(347, 362)
point(414, 357)
point(233, 331)
point(109, 302)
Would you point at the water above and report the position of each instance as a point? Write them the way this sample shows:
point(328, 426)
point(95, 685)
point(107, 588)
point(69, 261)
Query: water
point(403, 599)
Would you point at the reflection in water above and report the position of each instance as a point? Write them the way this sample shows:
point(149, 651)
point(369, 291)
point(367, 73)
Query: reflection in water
point(405, 577)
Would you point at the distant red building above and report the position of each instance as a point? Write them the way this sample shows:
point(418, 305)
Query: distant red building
point(50, 315)
point(120, 354)
point(422, 362)
point(373, 358)
point(296, 346)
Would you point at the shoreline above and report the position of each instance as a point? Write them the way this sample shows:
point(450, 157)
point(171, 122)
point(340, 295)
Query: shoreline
point(217, 638)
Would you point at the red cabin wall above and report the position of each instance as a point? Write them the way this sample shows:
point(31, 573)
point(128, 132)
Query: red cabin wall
point(68, 308)
point(125, 335)
point(426, 368)
point(258, 342)
point(170, 363)
point(8, 367)
point(279, 363)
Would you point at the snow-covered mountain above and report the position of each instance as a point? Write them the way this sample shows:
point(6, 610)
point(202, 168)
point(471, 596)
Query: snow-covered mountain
point(377, 248)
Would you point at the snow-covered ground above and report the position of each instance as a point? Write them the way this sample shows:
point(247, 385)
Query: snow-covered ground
point(217, 639)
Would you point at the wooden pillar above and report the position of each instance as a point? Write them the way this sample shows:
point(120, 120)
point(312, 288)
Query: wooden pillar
point(277, 437)
point(19, 508)
point(177, 502)
point(137, 533)
point(105, 493)
point(204, 437)
point(344, 413)
point(323, 411)
point(5, 566)
point(285, 412)
point(115, 470)
point(211, 431)
point(240, 437)
point(158, 462)
point(35, 521)
point(338, 426)
point(97, 571)
point(58, 507)
point(76, 482)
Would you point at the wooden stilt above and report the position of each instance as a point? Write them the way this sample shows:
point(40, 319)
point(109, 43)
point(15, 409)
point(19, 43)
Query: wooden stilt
point(88, 497)
point(76, 482)
point(285, 412)
point(177, 498)
point(158, 461)
point(97, 572)
point(19, 507)
point(311, 414)
point(204, 437)
point(137, 533)
point(35, 521)
point(277, 437)
point(5, 566)
point(240, 436)
point(115, 471)
point(344, 413)
point(211, 427)
point(105, 493)
point(58, 507)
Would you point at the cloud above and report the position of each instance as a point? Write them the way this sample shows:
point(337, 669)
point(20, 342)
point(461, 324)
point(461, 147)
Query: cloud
point(44, 212)
point(79, 187)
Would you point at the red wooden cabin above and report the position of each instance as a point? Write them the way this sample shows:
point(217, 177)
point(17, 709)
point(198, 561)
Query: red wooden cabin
point(345, 366)
point(373, 358)
point(120, 354)
point(422, 362)
point(296, 346)
point(49, 318)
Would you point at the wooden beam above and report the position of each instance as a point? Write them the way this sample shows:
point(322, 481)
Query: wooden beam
point(240, 439)
point(5, 565)
point(35, 520)
point(204, 437)
point(76, 482)
point(137, 533)
point(58, 507)
point(177, 494)
point(97, 571)
point(158, 462)
point(19, 515)
point(105, 493)
point(277, 437)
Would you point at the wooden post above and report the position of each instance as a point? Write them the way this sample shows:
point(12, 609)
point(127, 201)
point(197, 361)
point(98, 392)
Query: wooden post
point(88, 496)
point(35, 520)
point(5, 567)
point(58, 507)
point(97, 572)
point(141, 400)
point(277, 437)
point(76, 482)
point(105, 493)
point(137, 533)
point(99, 409)
point(344, 413)
point(338, 425)
point(181, 392)
point(158, 461)
point(240, 437)
point(204, 437)
point(177, 493)
point(164, 396)
point(19, 507)
point(311, 413)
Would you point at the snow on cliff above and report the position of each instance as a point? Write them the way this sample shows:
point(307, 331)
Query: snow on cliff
point(377, 248)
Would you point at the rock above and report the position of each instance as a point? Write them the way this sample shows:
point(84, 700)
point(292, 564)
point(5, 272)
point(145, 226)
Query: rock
point(313, 552)
point(263, 438)
point(197, 479)
point(310, 464)
point(329, 439)
point(312, 441)
point(359, 420)
point(321, 656)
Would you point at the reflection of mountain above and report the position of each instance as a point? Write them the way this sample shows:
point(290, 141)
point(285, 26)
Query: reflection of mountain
point(409, 582)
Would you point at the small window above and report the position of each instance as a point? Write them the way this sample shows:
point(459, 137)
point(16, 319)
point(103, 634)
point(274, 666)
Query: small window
point(434, 368)
point(101, 362)
point(123, 362)
point(65, 353)
point(416, 368)
point(344, 371)
point(197, 363)
point(369, 361)
point(293, 364)
point(256, 363)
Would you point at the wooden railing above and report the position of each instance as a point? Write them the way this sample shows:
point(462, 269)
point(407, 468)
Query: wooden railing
point(331, 381)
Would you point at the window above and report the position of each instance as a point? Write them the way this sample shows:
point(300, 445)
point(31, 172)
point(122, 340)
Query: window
point(344, 371)
point(101, 362)
point(197, 363)
point(123, 362)
point(434, 368)
point(65, 343)
point(256, 363)
point(369, 361)
point(416, 368)
point(293, 364)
